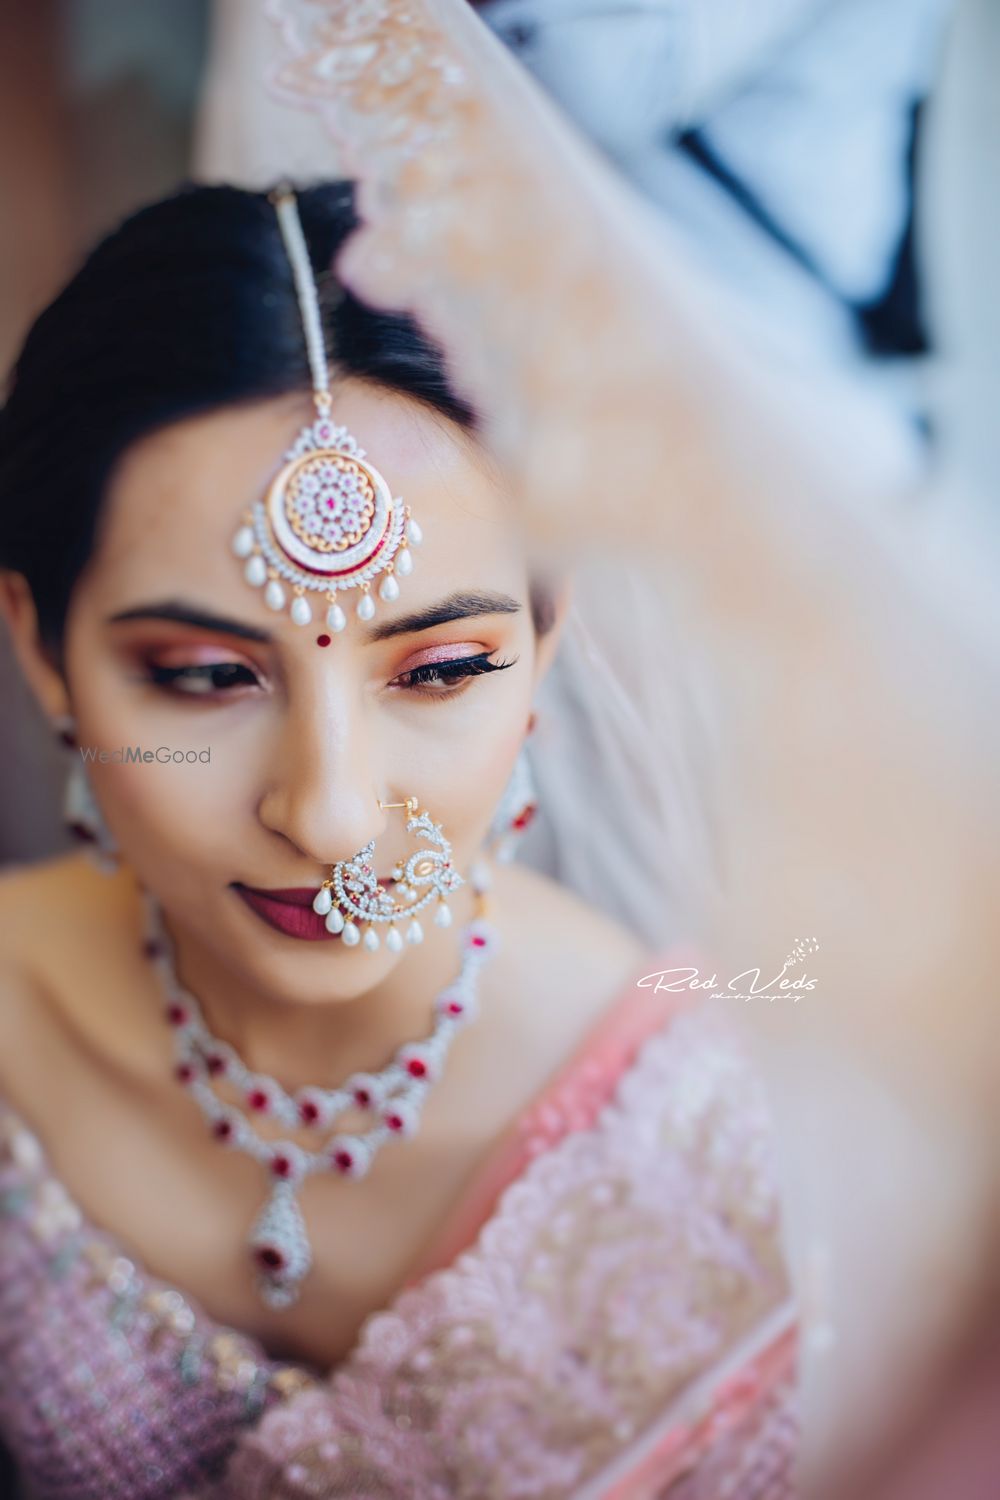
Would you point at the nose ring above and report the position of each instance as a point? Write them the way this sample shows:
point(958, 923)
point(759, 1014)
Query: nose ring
point(351, 897)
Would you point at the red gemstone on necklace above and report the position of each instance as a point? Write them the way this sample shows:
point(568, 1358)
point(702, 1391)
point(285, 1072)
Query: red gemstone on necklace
point(272, 1259)
point(308, 1112)
point(281, 1166)
point(151, 948)
point(177, 1015)
point(362, 1097)
point(416, 1067)
point(222, 1130)
point(394, 1122)
point(257, 1099)
point(184, 1072)
point(343, 1161)
point(455, 1007)
point(215, 1064)
point(479, 942)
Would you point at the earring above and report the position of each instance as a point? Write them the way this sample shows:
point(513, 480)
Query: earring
point(351, 893)
point(516, 809)
point(81, 813)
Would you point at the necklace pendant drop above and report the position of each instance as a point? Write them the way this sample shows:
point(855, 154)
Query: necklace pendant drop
point(279, 1246)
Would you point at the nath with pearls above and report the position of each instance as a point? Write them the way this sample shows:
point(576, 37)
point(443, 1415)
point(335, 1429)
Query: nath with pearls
point(329, 521)
point(351, 894)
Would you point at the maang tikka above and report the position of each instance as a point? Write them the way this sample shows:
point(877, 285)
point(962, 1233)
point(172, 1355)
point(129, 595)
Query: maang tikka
point(329, 520)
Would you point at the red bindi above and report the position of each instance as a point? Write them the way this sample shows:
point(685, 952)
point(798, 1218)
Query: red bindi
point(322, 640)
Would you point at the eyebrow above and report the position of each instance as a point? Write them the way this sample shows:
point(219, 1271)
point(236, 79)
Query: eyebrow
point(461, 605)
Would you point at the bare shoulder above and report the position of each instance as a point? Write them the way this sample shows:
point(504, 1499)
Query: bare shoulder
point(56, 919)
point(43, 904)
point(24, 1008)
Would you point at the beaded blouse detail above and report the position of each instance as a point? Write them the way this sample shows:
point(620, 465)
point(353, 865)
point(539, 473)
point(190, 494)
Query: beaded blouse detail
point(92, 1348)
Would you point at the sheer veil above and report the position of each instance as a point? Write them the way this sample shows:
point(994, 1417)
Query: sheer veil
point(622, 755)
point(768, 716)
point(626, 755)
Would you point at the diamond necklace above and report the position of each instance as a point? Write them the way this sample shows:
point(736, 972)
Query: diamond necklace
point(278, 1243)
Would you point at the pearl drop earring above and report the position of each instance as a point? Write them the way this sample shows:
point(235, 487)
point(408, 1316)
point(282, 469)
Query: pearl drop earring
point(81, 813)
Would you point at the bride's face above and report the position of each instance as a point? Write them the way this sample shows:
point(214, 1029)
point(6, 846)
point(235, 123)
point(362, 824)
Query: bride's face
point(168, 648)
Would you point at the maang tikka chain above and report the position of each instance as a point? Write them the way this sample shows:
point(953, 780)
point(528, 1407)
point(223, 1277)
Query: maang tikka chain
point(351, 895)
point(329, 521)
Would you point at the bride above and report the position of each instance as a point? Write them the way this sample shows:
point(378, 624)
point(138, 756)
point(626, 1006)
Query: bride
point(567, 1277)
point(251, 749)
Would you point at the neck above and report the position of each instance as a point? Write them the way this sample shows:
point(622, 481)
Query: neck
point(300, 1043)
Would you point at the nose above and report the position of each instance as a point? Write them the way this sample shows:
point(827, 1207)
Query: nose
point(322, 795)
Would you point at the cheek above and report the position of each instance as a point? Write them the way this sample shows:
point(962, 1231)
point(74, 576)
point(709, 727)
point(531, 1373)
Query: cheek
point(171, 811)
point(163, 809)
point(461, 784)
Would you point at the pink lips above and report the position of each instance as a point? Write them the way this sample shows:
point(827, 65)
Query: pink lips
point(289, 911)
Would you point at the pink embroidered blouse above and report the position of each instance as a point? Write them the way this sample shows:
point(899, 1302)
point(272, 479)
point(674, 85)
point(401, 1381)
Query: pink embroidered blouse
point(605, 1315)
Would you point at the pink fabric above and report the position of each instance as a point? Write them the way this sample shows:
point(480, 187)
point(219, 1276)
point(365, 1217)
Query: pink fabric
point(570, 1100)
point(617, 1246)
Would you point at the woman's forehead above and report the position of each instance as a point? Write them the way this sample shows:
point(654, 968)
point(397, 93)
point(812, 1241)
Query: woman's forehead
point(177, 494)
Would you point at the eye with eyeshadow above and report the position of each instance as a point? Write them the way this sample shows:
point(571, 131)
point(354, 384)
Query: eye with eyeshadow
point(439, 679)
point(204, 680)
point(444, 679)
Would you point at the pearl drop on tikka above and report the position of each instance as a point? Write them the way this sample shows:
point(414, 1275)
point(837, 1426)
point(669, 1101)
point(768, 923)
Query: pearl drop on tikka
point(327, 502)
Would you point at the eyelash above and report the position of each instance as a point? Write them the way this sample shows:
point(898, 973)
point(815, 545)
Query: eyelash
point(462, 668)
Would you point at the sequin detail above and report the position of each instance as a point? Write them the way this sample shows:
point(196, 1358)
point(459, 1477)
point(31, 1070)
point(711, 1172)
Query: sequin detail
point(113, 1383)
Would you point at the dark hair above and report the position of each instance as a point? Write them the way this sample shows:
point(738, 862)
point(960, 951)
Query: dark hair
point(187, 306)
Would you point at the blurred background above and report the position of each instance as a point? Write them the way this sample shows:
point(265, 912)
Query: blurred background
point(836, 161)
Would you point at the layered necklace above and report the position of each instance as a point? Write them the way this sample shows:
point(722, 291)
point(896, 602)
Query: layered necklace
point(392, 1099)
